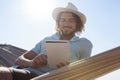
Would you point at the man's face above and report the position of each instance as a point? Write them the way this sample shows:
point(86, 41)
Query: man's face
point(67, 24)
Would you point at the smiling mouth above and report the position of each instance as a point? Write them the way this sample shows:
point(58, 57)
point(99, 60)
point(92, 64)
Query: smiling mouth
point(67, 27)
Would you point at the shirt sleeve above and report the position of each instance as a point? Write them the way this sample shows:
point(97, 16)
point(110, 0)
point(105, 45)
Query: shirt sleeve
point(37, 48)
point(86, 49)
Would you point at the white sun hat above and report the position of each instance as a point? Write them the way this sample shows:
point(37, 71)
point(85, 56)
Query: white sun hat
point(69, 8)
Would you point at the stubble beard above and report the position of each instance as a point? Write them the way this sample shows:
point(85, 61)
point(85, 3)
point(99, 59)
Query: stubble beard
point(67, 32)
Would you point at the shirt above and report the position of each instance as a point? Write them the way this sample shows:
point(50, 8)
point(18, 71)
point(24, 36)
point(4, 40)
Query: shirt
point(80, 48)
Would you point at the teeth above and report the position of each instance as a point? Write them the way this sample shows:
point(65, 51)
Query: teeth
point(67, 27)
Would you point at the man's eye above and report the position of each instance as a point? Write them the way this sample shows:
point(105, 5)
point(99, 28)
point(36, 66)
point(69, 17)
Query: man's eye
point(62, 20)
point(71, 20)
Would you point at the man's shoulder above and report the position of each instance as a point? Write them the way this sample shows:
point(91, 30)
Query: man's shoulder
point(86, 41)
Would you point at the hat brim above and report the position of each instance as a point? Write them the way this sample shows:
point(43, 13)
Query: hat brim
point(57, 11)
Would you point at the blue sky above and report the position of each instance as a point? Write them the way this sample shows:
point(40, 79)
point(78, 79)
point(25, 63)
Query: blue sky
point(23, 23)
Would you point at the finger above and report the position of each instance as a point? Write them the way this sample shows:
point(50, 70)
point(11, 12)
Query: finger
point(37, 61)
point(43, 59)
point(67, 63)
point(60, 65)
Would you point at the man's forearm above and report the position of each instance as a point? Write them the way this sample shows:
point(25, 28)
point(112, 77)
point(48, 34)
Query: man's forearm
point(23, 62)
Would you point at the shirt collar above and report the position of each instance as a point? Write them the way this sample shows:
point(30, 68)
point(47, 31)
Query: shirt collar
point(74, 38)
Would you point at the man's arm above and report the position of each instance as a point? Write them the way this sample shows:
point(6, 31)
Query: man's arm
point(30, 59)
point(25, 60)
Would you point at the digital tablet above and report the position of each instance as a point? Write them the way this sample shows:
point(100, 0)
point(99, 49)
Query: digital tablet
point(57, 52)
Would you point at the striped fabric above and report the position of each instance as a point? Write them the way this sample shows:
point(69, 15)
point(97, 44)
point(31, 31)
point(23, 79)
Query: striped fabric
point(8, 54)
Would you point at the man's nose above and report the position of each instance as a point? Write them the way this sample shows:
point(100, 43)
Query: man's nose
point(66, 23)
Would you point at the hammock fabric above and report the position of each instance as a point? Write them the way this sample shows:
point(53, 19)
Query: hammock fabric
point(8, 54)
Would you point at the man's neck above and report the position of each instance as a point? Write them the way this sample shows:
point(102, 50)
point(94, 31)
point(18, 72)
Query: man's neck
point(66, 37)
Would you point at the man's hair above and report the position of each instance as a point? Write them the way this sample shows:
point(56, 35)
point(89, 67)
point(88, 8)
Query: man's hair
point(79, 26)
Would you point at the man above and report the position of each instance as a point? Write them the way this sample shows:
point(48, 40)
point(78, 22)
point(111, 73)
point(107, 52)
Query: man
point(69, 23)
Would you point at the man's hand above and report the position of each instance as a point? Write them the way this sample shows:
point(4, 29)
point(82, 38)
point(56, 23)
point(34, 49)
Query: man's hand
point(39, 61)
point(62, 64)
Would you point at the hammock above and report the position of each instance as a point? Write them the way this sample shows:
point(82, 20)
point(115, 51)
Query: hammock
point(8, 54)
point(85, 69)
